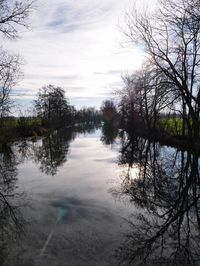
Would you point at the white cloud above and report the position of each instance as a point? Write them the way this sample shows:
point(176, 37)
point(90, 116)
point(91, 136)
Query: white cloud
point(71, 41)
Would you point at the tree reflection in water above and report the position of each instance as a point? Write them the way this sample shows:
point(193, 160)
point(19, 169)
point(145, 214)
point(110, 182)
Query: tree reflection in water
point(53, 151)
point(11, 220)
point(165, 188)
point(109, 133)
point(50, 153)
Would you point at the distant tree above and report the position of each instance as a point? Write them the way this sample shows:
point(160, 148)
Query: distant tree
point(52, 106)
point(109, 110)
point(109, 133)
point(87, 115)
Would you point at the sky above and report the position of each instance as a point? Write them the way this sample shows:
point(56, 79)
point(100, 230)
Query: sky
point(75, 44)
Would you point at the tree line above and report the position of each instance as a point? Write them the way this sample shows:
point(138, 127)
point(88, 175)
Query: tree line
point(164, 90)
point(54, 109)
point(167, 85)
point(51, 106)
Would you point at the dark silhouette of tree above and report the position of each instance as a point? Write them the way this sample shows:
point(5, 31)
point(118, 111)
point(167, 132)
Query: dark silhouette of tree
point(145, 95)
point(170, 38)
point(53, 151)
point(109, 133)
point(52, 106)
point(87, 115)
point(8, 170)
point(13, 16)
point(110, 122)
point(11, 220)
point(109, 110)
point(164, 186)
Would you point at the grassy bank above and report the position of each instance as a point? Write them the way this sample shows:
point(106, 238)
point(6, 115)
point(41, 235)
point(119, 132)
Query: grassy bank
point(172, 126)
point(168, 131)
point(22, 127)
point(177, 141)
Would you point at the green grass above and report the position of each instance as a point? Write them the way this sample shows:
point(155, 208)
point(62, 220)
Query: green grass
point(171, 126)
point(23, 121)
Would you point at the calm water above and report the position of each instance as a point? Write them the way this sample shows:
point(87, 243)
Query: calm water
point(95, 196)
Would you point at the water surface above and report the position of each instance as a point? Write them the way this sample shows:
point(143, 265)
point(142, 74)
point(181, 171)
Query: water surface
point(96, 196)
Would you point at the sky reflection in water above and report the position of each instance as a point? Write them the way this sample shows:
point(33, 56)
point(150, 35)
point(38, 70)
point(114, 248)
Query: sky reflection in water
point(89, 198)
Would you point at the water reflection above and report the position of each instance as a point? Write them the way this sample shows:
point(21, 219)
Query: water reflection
point(164, 185)
point(53, 151)
point(109, 133)
point(11, 220)
point(160, 183)
point(8, 169)
point(49, 153)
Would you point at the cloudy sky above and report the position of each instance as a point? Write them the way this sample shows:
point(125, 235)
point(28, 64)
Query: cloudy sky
point(75, 44)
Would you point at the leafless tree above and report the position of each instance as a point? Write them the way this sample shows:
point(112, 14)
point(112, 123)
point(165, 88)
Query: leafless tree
point(9, 75)
point(146, 94)
point(170, 37)
point(13, 15)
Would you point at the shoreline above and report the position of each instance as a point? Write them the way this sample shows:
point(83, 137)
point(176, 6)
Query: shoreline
point(179, 142)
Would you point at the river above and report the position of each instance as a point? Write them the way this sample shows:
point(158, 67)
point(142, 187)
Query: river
point(92, 195)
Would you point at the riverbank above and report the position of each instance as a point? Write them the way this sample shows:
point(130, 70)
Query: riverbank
point(10, 134)
point(13, 132)
point(176, 141)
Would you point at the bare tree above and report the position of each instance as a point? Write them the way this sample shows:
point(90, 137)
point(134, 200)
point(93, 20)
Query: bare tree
point(145, 95)
point(13, 15)
point(9, 76)
point(171, 39)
